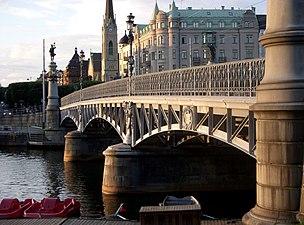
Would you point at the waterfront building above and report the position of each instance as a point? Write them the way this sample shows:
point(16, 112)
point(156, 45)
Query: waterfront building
point(182, 38)
point(72, 72)
point(94, 67)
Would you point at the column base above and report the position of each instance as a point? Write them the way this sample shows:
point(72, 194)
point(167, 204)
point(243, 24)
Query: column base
point(260, 216)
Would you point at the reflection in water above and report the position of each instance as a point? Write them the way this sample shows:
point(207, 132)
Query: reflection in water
point(83, 181)
point(37, 174)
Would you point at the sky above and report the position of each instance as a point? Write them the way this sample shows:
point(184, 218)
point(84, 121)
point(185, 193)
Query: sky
point(72, 23)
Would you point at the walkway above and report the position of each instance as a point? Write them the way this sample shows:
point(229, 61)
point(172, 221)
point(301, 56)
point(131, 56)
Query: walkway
point(64, 221)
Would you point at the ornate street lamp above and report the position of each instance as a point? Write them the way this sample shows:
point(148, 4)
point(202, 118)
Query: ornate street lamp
point(130, 25)
point(81, 58)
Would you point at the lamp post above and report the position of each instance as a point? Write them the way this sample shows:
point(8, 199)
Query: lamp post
point(81, 58)
point(130, 24)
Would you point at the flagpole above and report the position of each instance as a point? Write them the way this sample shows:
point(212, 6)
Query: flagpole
point(43, 87)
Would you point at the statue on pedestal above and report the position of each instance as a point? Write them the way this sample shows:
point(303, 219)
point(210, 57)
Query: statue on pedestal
point(52, 51)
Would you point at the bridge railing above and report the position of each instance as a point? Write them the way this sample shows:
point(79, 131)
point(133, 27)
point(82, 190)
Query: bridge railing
point(226, 79)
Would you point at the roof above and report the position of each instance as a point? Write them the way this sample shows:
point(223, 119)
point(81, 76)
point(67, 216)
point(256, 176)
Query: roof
point(210, 13)
point(74, 60)
point(155, 12)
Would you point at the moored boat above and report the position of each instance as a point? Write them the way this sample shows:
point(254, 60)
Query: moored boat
point(11, 208)
point(172, 200)
point(53, 207)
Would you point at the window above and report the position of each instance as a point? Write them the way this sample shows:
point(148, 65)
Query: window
point(246, 24)
point(249, 39)
point(196, 54)
point(209, 24)
point(222, 39)
point(195, 41)
point(184, 54)
point(234, 39)
point(204, 39)
point(162, 25)
point(205, 54)
point(221, 24)
point(249, 53)
point(161, 40)
point(161, 54)
point(184, 39)
point(210, 38)
point(235, 54)
point(183, 24)
point(161, 68)
point(235, 24)
point(110, 48)
point(173, 39)
point(174, 53)
point(195, 24)
point(153, 55)
point(222, 57)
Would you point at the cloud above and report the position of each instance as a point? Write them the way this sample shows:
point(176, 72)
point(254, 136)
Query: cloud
point(25, 12)
point(25, 60)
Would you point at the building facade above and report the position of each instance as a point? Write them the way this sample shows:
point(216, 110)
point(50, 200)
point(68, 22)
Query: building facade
point(94, 67)
point(72, 72)
point(190, 37)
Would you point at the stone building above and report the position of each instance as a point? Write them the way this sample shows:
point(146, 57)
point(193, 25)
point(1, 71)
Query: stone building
point(72, 72)
point(189, 37)
point(94, 67)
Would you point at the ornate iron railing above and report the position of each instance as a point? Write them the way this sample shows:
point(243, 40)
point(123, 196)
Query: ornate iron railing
point(226, 79)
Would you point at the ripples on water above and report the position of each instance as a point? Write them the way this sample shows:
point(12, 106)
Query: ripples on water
point(37, 174)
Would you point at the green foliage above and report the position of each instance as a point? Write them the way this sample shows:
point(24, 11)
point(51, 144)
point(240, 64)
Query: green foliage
point(2, 93)
point(27, 93)
point(30, 93)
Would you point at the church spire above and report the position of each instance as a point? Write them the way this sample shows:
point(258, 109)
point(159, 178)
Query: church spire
point(109, 11)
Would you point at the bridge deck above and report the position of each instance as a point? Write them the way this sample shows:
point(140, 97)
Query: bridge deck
point(64, 221)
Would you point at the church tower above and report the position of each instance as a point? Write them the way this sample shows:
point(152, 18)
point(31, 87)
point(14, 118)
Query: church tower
point(109, 45)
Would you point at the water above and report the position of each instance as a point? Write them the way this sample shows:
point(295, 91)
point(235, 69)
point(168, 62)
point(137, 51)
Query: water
point(37, 174)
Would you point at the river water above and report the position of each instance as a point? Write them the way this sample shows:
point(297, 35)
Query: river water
point(27, 173)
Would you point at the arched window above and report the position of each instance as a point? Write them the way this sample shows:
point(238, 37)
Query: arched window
point(110, 48)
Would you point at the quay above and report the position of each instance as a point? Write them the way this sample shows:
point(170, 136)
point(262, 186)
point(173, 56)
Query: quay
point(90, 221)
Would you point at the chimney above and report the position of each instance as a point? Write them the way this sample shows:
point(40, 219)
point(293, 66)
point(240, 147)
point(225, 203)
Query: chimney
point(223, 7)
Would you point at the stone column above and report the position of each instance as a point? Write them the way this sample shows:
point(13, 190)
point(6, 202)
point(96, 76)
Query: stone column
point(52, 109)
point(280, 117)
point(53, 132)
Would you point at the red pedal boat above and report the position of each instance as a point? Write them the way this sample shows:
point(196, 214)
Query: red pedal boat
point(11, 208)
point(53, 207)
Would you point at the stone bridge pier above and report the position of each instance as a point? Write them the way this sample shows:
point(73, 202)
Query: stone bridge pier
point(280, 118)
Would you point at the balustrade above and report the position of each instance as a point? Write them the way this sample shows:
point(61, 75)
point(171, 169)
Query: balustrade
point(226, 79)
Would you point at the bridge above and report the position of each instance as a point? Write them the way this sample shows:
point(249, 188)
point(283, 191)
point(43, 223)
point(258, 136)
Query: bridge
point(210, 101)
point(233, 102)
